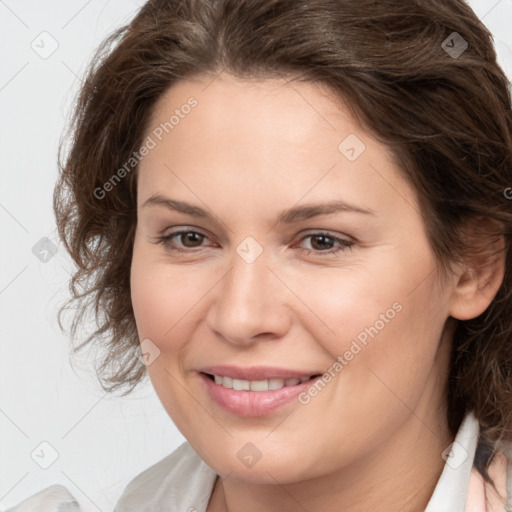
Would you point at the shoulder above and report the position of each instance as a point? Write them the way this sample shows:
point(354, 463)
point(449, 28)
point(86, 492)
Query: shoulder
point(54, 498)
point(181, 481)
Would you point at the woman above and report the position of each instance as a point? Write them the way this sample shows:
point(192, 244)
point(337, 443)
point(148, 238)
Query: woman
point(294, 215)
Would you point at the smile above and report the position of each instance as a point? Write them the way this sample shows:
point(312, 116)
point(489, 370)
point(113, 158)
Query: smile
point(254, 392)
point(256, 385)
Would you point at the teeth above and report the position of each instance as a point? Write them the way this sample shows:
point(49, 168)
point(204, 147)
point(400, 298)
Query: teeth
point(241, 385)
point(275, 383)
point(259, 385)
point(256, 385)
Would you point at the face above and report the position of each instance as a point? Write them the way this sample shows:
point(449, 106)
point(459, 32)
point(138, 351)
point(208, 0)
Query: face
point(278, 250)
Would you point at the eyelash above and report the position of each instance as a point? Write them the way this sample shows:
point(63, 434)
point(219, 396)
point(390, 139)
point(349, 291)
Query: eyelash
point(343, 244)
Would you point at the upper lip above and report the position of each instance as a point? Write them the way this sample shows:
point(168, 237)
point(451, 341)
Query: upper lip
point(256, 372)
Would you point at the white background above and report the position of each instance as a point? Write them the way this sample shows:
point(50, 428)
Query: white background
point(103, 441)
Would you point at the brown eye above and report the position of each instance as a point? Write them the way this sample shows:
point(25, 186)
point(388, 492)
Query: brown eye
point(190, 238)
point(324, 244)
point(182, 240)
point(321, 242)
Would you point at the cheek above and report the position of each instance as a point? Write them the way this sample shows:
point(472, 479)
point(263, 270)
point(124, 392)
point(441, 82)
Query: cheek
point(162, 305)
point(383, 314)
point(161, 296)
point(152, 305)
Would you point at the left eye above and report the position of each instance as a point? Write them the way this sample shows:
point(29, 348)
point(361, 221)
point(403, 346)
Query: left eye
point(324, 243)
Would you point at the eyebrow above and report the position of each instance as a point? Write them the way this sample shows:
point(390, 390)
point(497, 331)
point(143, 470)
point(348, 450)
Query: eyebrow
point(294, 214)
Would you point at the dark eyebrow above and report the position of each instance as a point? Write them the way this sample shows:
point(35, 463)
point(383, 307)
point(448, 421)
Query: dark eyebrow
point(298, 213)
point(179, 206)
point(294, 214)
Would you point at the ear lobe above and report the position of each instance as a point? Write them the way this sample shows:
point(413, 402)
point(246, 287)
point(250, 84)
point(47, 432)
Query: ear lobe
point(479, 276)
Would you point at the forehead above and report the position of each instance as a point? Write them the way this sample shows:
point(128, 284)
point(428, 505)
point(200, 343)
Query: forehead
point(272, 138)
point(274, 110)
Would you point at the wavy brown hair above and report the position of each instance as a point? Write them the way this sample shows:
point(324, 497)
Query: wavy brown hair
point(446, 118)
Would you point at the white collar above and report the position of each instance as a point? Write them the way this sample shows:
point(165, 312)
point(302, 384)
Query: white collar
point(452, 487)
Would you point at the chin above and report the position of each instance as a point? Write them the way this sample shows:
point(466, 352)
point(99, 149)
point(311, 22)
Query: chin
point(245, 463)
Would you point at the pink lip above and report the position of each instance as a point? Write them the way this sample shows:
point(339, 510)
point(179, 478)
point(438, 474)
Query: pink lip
point(256, 372)
point(253, 403)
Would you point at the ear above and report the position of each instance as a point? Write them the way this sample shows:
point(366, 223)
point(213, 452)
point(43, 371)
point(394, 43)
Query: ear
point(478, 277)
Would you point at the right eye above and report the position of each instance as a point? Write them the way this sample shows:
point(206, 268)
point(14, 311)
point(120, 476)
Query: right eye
point(182, 240)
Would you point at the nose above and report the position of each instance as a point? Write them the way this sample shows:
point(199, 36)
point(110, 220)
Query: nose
point(249, 304)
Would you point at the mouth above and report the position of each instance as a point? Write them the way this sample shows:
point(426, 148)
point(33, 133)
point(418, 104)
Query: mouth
point(257, 385)
point(254, 392)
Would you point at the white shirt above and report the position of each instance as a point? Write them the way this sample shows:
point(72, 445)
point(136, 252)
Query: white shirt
point(183, 482)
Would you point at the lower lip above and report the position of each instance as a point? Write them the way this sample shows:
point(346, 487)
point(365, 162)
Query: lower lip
point(253, 403)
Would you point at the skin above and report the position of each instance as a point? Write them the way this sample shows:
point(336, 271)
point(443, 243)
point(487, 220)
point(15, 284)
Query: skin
point(372, 439)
